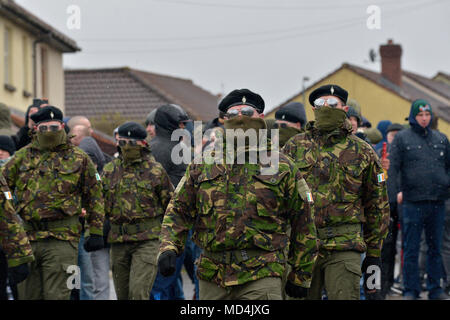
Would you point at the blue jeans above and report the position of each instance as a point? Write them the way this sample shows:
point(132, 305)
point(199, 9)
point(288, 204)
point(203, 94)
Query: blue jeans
point(169, 288)
point(418, 216)
point(87, 272)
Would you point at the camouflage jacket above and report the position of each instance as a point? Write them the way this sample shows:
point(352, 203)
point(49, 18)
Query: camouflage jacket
point(233, 207)
point(13, 238)
point(348, 186)
point(136, 192)
point(53, 187)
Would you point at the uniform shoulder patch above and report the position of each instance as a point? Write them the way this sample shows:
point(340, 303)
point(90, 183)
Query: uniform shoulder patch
point(180, 185)
point(304, 191)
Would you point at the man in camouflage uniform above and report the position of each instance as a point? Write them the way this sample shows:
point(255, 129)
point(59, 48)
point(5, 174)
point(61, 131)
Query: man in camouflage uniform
point(240, 215)
point(53, 181)
point(137, 191)
point(349, 192)
point(13, 238)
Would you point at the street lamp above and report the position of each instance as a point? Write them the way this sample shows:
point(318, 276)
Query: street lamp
point(303, 88)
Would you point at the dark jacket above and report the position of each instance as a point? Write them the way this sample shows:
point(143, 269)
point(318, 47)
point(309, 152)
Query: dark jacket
point(421, 156)
point(23, 137)
point(161, 147)
point(90, 146)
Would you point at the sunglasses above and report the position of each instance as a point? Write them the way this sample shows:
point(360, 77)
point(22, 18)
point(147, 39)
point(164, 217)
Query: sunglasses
point(331, 102)
point(52, 128)
point(123, 143)
point(246, 111)
point(280, 125)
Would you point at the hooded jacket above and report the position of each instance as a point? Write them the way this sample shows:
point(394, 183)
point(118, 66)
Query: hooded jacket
point(23, 138)
point(167, 119)
point(90, 146)
point(5, 120)
point(382, 127)
point(421, 156)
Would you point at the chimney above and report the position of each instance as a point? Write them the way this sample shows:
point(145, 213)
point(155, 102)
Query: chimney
point(391, 62)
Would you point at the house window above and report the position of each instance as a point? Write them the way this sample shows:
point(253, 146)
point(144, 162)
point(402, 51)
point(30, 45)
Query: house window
point(44, 71)
point(7, 56)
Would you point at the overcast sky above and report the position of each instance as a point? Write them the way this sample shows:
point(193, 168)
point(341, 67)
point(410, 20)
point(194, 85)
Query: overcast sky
point(267, 46)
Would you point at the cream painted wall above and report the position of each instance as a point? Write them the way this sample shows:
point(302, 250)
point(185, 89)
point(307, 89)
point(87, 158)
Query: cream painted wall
point(55, 72)
point(16, 99)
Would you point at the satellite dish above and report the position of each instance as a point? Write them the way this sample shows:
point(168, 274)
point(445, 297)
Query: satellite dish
point(372, 55)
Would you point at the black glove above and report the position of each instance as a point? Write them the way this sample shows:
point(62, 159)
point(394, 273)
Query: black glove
point(295, 291)
point(94, 243)
point(372, 279)
point(167, 263)
point(18, 274)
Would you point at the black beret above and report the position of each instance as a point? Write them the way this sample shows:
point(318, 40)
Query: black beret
point(132, 130)
point(394, 127)
point(292, 112)
point(48, 113)
point(328, 90)
point(168, 117)
point(242, 97)
point(7, 144)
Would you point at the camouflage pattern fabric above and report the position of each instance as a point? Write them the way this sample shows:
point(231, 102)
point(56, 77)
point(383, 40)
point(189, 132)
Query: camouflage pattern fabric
point(347, 182)
point(13, 238)
point(54, 186)
point(134, 193)
point(235, 207)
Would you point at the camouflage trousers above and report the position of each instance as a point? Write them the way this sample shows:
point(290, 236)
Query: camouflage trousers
point(339, 273)
point(268, 288)
point(50, 277)
point(134, 268)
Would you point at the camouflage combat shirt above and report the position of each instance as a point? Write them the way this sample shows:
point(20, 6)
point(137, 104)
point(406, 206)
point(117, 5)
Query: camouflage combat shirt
point(136, 192)
point(53, 186)
point(348, 186)
point(13, 238)
point(234, 207)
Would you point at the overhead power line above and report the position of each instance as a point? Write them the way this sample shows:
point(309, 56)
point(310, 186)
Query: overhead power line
point(327, 28)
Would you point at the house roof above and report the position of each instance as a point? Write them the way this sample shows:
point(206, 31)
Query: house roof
point(133, 93)
point(412, 88)
point(37, 27)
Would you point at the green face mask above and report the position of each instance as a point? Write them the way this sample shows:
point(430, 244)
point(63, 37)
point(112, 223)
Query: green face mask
point(285, 134)
point(131, 153)
point(329, 119)
point(245, 123)
point(50, 140)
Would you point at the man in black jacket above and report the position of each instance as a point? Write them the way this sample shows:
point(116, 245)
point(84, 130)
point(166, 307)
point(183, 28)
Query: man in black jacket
point(23, 136)
point(169, 118)
point(421, 156)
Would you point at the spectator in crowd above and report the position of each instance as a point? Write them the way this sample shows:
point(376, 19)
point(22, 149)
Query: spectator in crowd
point(23, 136)
point(421, 157)
point(389, 249)
point(150, 124)
point(382, 127)
point(5, 120)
